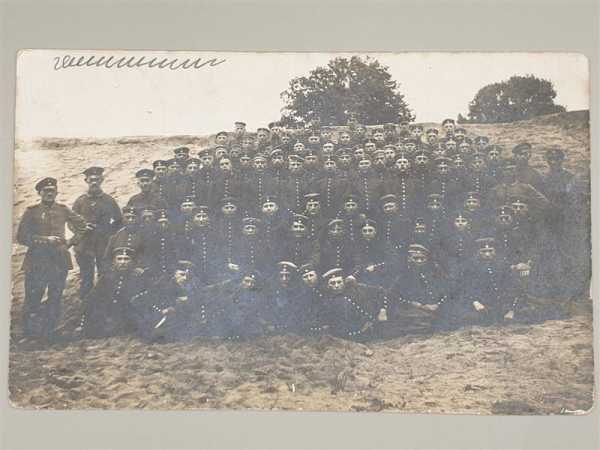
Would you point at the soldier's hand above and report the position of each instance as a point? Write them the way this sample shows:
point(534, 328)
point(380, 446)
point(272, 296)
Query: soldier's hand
point(366, 326)
point(90, 226)
point(139, 271)
point(431, 307)
point(509, 315)
point(53, 239)
point(370, 268)
point(182, 299)
point(478, 306)
point(168, 311)
point(382, 316)
point(417, 304)
point(233, 267)
point(523, 269)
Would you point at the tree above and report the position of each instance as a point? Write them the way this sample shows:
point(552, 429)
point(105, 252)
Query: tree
point(461, 119)
point(345, 88)
point(517, 98)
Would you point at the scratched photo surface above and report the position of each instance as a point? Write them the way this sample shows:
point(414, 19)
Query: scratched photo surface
point(401, 232)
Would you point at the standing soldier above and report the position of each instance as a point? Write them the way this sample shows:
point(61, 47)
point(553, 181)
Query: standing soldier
point(190, 186)
point(252, 252)
point(336, 250)
point(493, 159)
point(444, 184)
point(422, 177)
point(226, 183)
point(160, 245)
point(47, 261)
point(228, 224)
point(147, 196)
point(404, 132)
point(277, 172)
point(181, 154)
point(316, 218)
point(352, 215)
point(274, 220)
point(331, 186)
point(448, 126)
point(221, 138)
point(459, 135)
point(159, 185)
point(299, 248)
point(239, 131)
point(103, 215)
point(524, 173)
point(368, 185)
point(295, 186)
point(206, 178)
point(128, 236)
point(389, 133)
point(481, 143)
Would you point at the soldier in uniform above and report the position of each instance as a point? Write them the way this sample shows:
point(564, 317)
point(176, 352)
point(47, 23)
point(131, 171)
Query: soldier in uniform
point(203, 251)
point(316, 218)
point(389, 133)
point(189, 186)
point(252, 252)
point(47, 261)
point(524, 173)
point(160, 245)
point(422, 178)
point(448, 126)
point(228, 223)
point(103, 215)
point(128, 236)
point(183, 227)
point(182, 154)
point(159, 185)
point(206, 178)
point(331, 186)
point(481, 143)
point(274, 220)
point(226, 183)
point(367, 185)
point(221, 138)
point(351, 310)
point(147, 196)
point(299, 248)
point(371, 262)
point(460, 134)
point(444, 184)
point(239, 131)
point(108, 310)
point(493, 160)
point(351, 213)
point(336, 249)
point(295, 186)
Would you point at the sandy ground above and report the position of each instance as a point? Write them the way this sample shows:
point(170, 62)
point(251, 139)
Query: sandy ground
point(545, 368)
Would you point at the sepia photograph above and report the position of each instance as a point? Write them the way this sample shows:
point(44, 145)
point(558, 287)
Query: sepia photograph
point(360, 232)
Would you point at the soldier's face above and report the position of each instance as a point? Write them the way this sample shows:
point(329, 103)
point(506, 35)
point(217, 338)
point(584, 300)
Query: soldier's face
point(313, 140)
point(48, 194)
point(361, 130)
point(298, 229)
point(378, 136)
point(461, 223)
point(207, 160)
point(368, 232)
point(460, 134)
point(145, 184)
point(464, 148)
point(359, 154)
point(310, 278)
point(313, 207)
point(285, 139)
point(295, 166)
point(261, 136)
point(225, 165)
point(522, 157)
point(402, 164)
point(174, 168)
point(350, 206)
point(187, 207)
point(129, 218)
point(248, 282)
point(94, 182)
point(249, 230)
point(439, 151)
point(240, 129)
point(493, 155)
point(432, 138)
point(379, 160)
point(160, 171)
point(390, 154)
point(276, 130)
point(328, 148)
point(284, 276)
point(311, 161)
point(229, 209)
point(180, 276)
point(245, 161)
point(220, 153)
point(449, 127)
point(451, 146)
point(201, 219)
point(221, 139)
point(180, 156)
point(325, 135)
point(443, 168)
point(482, 143)
point(122, 263)
point(330, 165)
point(299, 148)
point(472, 204)
point(259, 165)
point(520, 208)
point(370, 147)
point(487, 252)
point(344, 139)
point(417, 258)
point(504, 219)
point(336, 284)
point(235, 152)
point(418, 132)
point(421, 160)
point(345, 160)
point(246, 143)
point(191, 168)
point(410, 147)
point(390, 208)
point(277, 161)
point(270, 208)
point(336, 230)
point(477, 164)
point(364, 165)
point(147, 217)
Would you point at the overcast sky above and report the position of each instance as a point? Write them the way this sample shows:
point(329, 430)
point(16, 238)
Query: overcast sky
point(96, 101)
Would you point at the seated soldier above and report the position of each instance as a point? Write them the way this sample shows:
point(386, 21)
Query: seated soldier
point(335, 249)
point(203, 251)
point(160, 249)
point(170, 308)
point(350, 310)
point(108, 310)
point(298, 247)
point(128, 236)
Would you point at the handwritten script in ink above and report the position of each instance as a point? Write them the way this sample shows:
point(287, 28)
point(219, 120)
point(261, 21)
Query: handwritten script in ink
point(131, 62)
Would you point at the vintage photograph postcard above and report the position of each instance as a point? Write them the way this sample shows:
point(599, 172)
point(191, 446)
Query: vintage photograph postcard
point(402, 232)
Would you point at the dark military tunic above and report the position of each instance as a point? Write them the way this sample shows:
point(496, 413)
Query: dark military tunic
point(288, 309)
point(147, 200)
point(160, 251)
point(46, 264)
point(129, 236)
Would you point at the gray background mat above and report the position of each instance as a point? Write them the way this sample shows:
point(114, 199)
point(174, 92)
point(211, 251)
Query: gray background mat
point(484, 25)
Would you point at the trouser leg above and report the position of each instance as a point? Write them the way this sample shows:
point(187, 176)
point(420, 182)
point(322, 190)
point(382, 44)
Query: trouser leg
point(56, 285)
point(87, 265)
point(35, 285)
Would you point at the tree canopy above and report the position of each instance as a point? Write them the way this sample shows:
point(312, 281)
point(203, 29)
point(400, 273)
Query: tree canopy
point(356, 88)
point(518, 98)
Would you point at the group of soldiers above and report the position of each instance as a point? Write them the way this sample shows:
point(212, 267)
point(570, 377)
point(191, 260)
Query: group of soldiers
point(345, 231)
